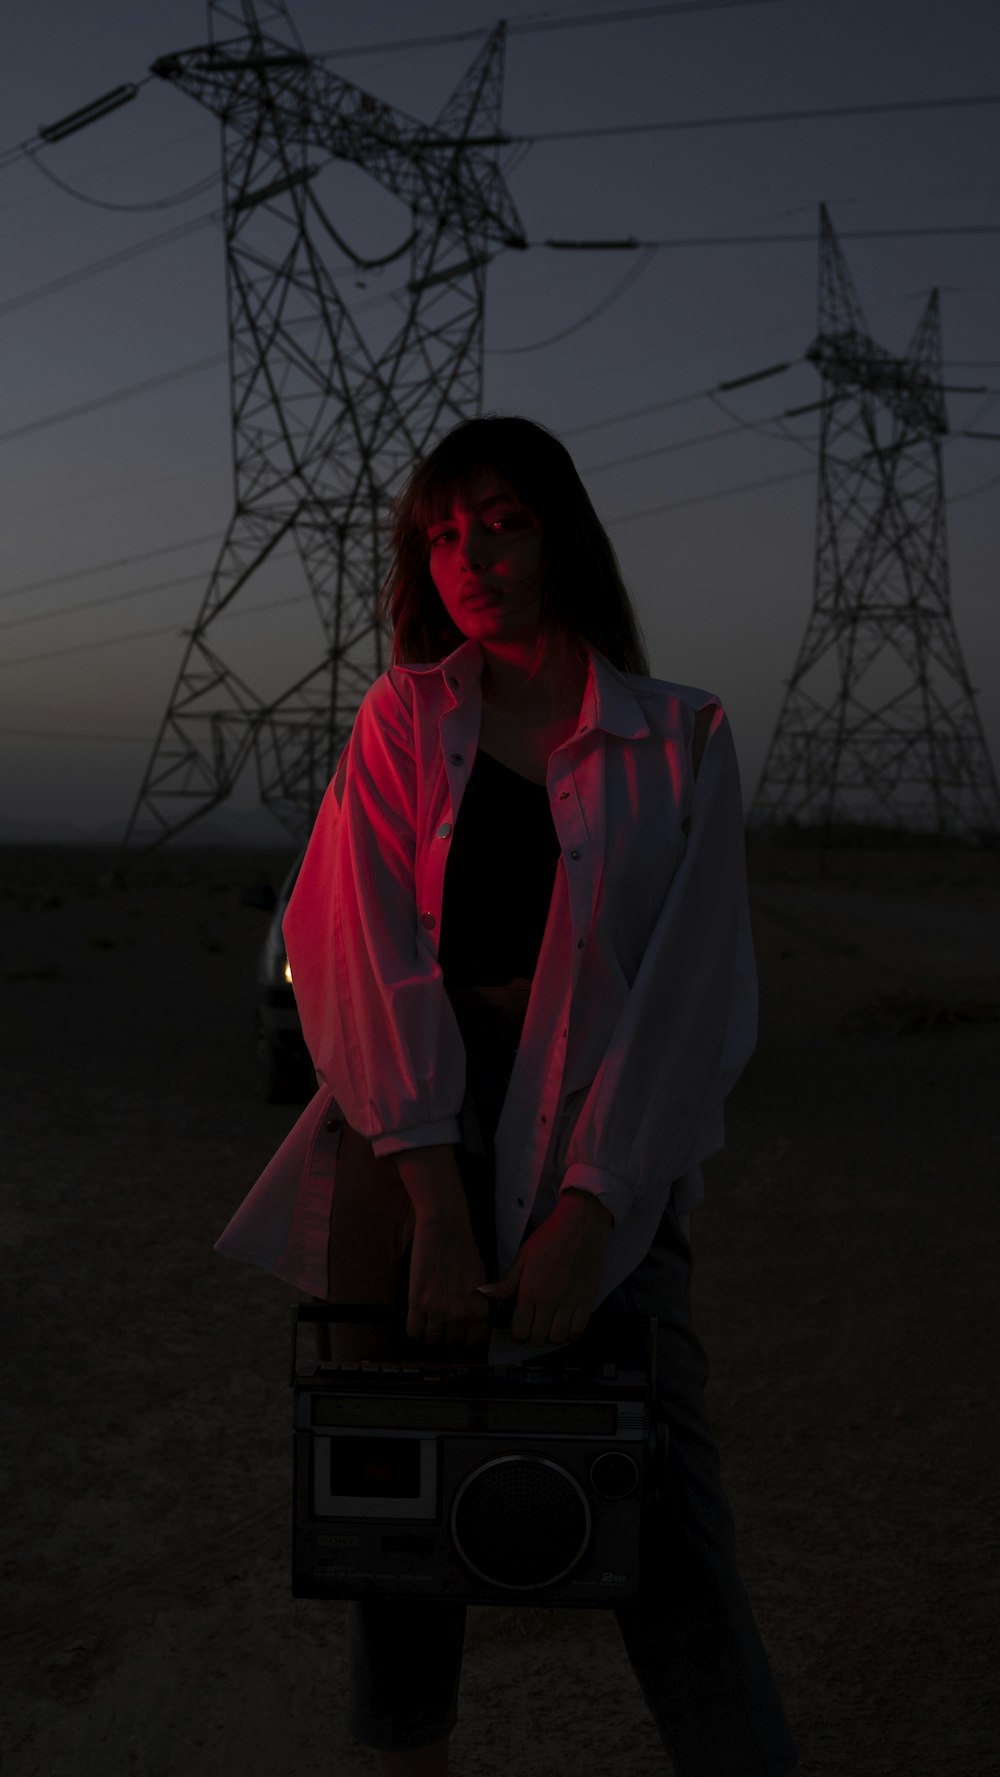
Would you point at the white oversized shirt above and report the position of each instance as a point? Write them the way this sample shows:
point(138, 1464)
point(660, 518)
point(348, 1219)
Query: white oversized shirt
point(643, 1005)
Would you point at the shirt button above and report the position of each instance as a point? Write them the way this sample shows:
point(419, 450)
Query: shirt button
point(333, 1124)
point(444, 831)
point(520, 1203)
point(452, 681)
point(456, 758)
point(428, 920)
point(580, 943)
point(574, 854)
point(563, 795)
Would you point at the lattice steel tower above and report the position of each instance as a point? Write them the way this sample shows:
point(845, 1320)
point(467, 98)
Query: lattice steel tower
point(879, 726)
point(324, 426)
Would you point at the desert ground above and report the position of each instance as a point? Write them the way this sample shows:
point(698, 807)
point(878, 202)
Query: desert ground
point(845, 1286)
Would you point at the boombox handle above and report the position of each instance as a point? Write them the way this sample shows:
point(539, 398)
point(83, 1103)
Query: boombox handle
point(377, 1313)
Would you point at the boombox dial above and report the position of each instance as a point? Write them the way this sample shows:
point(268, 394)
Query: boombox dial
point(520, 1521)
point(614, 1475)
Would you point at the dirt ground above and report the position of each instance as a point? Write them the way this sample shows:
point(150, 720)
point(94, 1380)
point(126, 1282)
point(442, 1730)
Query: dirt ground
point(845, 1288)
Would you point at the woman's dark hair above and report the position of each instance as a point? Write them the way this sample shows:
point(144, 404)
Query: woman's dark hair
point(583, 593)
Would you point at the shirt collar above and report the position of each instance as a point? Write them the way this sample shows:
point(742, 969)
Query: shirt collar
point(609, 702)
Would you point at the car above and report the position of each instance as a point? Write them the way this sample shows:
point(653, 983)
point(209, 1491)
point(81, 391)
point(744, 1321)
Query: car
point(283, 1067)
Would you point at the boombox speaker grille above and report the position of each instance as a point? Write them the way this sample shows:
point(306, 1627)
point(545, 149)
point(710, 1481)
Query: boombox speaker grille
point(520, 1521)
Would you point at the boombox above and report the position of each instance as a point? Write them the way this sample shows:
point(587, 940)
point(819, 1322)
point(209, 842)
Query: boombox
point(479, 1482)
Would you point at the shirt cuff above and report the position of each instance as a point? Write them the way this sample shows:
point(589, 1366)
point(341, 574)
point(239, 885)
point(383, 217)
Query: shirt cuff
point(614, 1193)
point(423, 1135)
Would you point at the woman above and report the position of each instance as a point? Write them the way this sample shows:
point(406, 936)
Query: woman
point(522, 959)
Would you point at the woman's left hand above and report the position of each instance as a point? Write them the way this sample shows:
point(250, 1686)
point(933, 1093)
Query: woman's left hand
point(556, 1273)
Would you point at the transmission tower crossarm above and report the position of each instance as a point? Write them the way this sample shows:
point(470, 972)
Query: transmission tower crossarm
point(307, 103)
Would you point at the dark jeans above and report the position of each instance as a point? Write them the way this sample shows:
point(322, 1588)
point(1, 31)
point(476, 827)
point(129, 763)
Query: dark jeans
point(690, 1636)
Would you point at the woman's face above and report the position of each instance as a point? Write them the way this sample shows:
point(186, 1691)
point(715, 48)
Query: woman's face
point(485, 560)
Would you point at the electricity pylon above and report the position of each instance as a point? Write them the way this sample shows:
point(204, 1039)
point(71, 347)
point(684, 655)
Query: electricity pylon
point(323, 426)
point(879, 727)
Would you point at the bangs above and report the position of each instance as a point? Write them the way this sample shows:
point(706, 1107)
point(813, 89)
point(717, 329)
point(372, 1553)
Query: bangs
point(453, 485)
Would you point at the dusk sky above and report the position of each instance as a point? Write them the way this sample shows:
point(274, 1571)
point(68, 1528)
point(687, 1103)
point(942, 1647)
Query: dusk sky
point(132, 495)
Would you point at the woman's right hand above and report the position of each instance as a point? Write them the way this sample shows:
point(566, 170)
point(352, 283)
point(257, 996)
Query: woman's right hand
point(445, 1307)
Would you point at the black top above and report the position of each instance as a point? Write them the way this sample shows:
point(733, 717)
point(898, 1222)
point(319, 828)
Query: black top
point(497, 889)
point(498, 879)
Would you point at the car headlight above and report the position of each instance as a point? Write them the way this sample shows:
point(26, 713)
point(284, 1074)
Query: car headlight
point(275, 960)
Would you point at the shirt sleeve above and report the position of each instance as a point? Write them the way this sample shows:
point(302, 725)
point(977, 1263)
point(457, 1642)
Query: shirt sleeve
point(689, 1025)
point(375, 1015)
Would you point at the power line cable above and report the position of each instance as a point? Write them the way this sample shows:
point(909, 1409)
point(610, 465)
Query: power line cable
point(748, 119)
point(105, 598)
point(530, 27)
point(192, 579)
point(887, 197)
point(202, 470)
point(992, 396)
point(123, 394)
point(165, 238)
point(107, 567)
point(633, 413)
point(984, 487)
point(50, 581)
point(783, 436)
point(141, 635)
point(630, 244)
point(111, 260)
point(101, 203)
point(662, 450)
point(92, 113)
point(115, 598)
point(161, 480)
point(132, 635)
point(717, 494)
point(712, 393)
point(94, 267)
point(200, 364)
point(221, 358)
point(622, 518)
point(111, 166)
point(750, 487)
point(64, 734)
point(634, 272)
